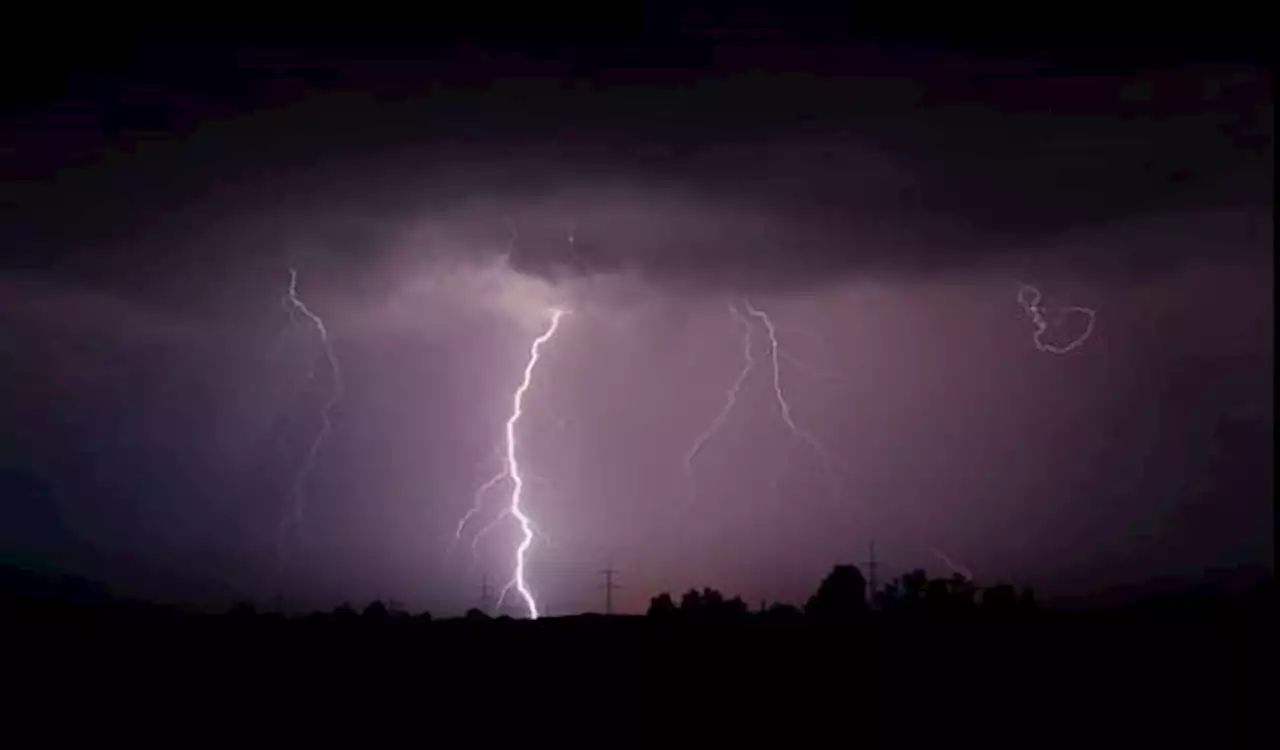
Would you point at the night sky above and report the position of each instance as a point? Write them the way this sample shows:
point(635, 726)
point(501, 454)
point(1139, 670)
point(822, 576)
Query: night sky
point(881, 197)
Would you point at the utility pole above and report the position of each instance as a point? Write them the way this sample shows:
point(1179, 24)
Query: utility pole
point(872, 564)
point(609, 586)
point(486, 592)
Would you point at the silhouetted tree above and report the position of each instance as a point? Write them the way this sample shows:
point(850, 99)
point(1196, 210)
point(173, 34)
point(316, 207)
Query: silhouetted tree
point(662, 606)
point(376, 612)
point(242, 610)
point(963, 592)
point(779, 612)
point(913, 585)
point(841, 595)
point(476, 615)
point(711, 604)
point(936, 593)
point(344, 613)
point(999, 599)
point(905, 595)
point(954, 595)
point(888, 597)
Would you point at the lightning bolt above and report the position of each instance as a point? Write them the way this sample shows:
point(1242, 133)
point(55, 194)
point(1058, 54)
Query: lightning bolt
point(297, 494)
point(511, 471)
point(1029, 298)
point(784, 406)
point(951, 564)
point(731, 397)
point(476, 505)
point(506, 512)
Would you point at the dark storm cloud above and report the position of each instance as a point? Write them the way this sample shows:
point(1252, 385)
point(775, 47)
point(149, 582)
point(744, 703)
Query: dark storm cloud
point(872, 162)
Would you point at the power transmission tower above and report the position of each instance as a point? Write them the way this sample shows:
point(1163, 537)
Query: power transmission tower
point(872, 581)
point(609, 586)
point(486, 592)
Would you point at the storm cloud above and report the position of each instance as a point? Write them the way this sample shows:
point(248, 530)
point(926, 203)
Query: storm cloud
point(881, 203)
point(864, 161)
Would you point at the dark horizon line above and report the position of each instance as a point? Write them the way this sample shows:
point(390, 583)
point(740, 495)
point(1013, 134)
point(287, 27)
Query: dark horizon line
point(1219, 582)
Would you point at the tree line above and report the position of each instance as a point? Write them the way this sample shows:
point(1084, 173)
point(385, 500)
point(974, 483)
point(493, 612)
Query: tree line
point(843, 595)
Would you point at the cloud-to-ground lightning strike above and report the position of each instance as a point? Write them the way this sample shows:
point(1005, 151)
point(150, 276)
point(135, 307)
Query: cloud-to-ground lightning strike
point(477, 504)
point(1029, 298)
point(784, 406)
point(298, 491)
point(731, 397)
point(511, 471)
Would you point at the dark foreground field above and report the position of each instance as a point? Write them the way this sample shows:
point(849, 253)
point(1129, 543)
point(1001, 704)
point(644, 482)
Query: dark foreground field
point(148, 677)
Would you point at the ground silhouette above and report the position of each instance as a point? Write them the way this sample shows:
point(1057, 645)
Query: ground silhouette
point(921, 661)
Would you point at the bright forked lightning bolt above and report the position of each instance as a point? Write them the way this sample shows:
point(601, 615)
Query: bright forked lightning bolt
point(512, 468)
point(1029, 299)
point(297, 494)
point(731, 397)
point(784, 407)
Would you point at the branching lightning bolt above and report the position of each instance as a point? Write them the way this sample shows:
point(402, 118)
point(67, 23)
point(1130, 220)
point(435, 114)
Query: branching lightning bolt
point(1029, 299)
point(731, 397)
point(784, 407)
point(493, 481)
point(298, 492)
point(476, 505)
point(511, 471)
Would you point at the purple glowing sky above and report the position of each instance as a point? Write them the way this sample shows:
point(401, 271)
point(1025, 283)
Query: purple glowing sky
point(160, 400)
